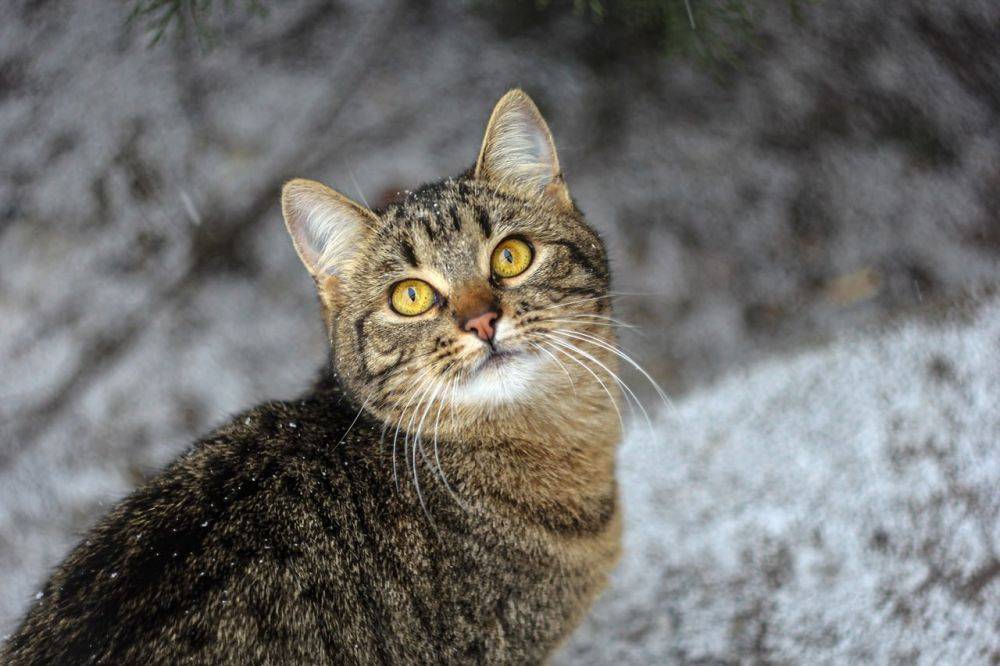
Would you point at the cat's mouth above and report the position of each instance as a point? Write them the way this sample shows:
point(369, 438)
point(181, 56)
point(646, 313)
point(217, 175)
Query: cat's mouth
point(504, 370)
point(499, 376)
point(496, 358)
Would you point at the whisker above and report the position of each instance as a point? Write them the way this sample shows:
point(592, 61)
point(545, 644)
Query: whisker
point(587, 322)
point(420, 391)
point(587, 315)
point(357, 187)
point(399, 423)
point(604, 386)
point(351, 427)
point(614, 376)
point(418, 357)
point(425, 386)
point(418, 448)
point(640, 294)
point(610, 294)
point(437, 456)
point(556, 359)
point(593, 339)
point(582, 300)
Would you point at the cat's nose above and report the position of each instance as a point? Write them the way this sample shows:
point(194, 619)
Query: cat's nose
point(482, 325)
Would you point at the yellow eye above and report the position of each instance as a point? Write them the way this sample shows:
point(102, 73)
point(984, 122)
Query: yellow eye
point(412, 297)
point(511, 257)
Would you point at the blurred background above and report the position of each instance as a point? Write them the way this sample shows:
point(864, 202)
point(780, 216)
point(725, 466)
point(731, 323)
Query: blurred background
point(767, 176)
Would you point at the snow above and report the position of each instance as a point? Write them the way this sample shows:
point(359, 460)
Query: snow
point(839, 505)
point(842, 180)
point(834, 505)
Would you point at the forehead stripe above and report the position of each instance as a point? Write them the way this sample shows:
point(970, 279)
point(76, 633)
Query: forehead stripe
point(428, 226)
point(483, 217)
point(408, 253)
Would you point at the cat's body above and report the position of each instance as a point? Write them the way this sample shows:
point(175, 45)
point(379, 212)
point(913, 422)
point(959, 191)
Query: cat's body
point(442, 495)
point(271, 543)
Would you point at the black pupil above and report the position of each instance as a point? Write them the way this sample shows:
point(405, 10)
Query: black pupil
point(508, 255)
point(412, 293)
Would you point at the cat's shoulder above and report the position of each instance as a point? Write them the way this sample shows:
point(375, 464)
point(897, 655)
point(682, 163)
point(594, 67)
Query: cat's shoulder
point(320, 419)
point(266, 466)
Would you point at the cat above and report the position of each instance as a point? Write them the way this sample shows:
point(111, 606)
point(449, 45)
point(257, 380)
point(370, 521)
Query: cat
point(445, 493)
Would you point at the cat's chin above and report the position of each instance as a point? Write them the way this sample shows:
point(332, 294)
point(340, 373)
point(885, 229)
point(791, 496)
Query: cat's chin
point(501, 377)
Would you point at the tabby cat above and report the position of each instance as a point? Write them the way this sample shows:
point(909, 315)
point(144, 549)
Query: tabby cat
point(445, 493)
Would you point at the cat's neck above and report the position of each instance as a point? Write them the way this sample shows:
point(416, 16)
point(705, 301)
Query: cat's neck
point(555, 446)
point(554, 450)
point(580, 413)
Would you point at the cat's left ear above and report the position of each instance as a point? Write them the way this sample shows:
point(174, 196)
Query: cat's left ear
point(518, 150)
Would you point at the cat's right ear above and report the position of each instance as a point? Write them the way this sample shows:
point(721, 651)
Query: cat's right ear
point(326, 227)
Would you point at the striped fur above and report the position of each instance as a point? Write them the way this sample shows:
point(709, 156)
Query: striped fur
point(409, 508)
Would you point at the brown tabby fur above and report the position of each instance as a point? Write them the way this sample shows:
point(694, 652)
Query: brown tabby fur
point(373, 520)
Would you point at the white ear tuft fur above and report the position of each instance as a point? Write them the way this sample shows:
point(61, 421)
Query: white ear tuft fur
point(325, 226)
point(518, 150)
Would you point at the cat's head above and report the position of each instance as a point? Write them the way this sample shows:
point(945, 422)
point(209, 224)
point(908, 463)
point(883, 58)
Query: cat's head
point(486, 290)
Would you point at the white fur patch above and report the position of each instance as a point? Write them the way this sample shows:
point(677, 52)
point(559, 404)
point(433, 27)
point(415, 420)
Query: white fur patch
point(513, 379)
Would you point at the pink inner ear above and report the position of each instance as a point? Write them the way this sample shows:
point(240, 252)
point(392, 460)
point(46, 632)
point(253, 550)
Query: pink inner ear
point(304, 243)
point(518, 148)
point(325, 226)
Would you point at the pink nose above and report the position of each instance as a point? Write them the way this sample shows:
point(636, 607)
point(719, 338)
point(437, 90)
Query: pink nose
point(482, 325)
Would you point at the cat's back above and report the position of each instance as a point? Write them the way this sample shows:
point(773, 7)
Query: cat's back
point(227, 554)
point(293, 534)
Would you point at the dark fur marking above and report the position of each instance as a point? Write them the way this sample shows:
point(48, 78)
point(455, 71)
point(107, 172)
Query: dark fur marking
point(359, 333)
point(428, 227)
point(408, 254)
point(483, 218)
point(582, 259)
point(283, 488)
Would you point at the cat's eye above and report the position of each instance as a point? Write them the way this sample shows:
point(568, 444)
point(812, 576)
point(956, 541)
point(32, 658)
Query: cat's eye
point(412, 297)
point(511, 258)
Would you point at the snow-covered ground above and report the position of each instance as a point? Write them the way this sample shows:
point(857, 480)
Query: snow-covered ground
point(844, 178)
point(838, 506)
